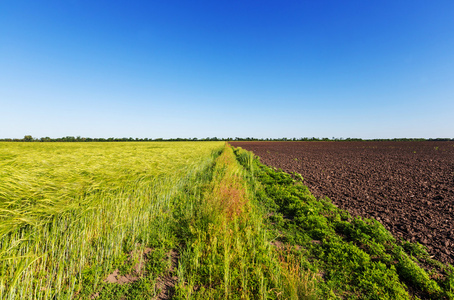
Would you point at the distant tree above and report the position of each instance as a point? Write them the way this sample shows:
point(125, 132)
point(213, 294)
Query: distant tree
point(69, 139)
point(28, 138)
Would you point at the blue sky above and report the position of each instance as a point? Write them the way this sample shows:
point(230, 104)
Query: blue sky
point(369, 69)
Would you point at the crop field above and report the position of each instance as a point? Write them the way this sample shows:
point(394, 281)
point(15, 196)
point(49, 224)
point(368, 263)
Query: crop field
point(67, 206)
point(407, 186)
point(191, 220)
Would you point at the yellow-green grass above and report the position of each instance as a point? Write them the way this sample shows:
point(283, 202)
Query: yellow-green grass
point(65, 207)
point(228, 251)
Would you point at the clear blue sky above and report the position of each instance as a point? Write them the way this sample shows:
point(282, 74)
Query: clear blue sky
point(369, 69)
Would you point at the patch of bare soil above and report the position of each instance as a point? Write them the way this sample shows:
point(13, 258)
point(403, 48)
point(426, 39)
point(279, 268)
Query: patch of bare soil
point(166, 284)
point(138, 270)
point(407, 186)
point(115, 276)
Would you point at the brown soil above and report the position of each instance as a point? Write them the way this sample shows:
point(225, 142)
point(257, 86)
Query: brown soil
point(138, 270)
point(407, 186)
point(115, 277)
point(166, 284)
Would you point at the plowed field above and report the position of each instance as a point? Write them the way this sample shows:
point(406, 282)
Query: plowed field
point(407, 186)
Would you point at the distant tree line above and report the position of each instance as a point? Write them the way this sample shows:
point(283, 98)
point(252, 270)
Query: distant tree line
point(29, 138)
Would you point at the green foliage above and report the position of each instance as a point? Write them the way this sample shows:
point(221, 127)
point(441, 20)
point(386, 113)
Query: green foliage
point(448, 283)
point(414, 274)
point(28, 138)
point(415, 249)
